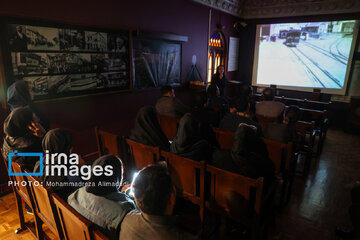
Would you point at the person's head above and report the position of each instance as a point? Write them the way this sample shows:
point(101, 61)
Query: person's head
point(103, 184)
point(240, 104)
point(245, 140)
point(19, 94)
point(188, 131)
point(154, 191)
point(58, 141)
point(291, 115)
point(268, 94)
point(17, 123)
point(220, 69)
point(167, 91)
point(213, 90)
point(246, 90)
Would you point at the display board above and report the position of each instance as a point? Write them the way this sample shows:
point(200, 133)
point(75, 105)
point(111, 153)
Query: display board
point(66, 61)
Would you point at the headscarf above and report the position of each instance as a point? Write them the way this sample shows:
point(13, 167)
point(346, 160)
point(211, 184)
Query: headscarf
point(249, 154)
point(188, 142)
point(58, 141)
point(97, 185)
point(18, 94)
point(147, 129)
point(16, 124)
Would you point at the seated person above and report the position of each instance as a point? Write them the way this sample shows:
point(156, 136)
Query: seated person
point(155, 197)
point(169, 105)
point(248, 156)
point(188, 142)
point(239, 113)
point(57, 141)
point(100, 201)
point(268, 107)
point(214, 99)
point(20, 94)
point(147, 129)
point(22, 133)
point(247, 90)
point(286, 131)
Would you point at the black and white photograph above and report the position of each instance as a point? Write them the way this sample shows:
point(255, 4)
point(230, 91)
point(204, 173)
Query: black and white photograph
point(42, 38)
point(72, 39)
point(118, 79)
point(29, 63)
point(39, 84)
point(157, 63)
point(99, 62)
point(117, 42)
point(116, 62)
point(69, 63)
point(17, 37)
point(96, 41)
point(81, 82)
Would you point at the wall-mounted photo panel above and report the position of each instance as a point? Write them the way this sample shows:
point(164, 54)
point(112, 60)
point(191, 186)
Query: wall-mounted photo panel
point(67, 61)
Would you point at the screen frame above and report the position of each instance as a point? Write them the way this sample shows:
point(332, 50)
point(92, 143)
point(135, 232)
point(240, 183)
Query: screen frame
point(350, 64)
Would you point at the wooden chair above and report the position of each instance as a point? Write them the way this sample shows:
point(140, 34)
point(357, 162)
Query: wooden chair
point(109, 143)
point(45, 208)
point(265, 121)
point(169, 125)
point(97, 235)
point(189, 185)
point(74, 226)
point(281, 154)
point(23, 195)
point(142, 155)
point(306, 136)
point(225, 138)
point(225, 182)
point(321, 124)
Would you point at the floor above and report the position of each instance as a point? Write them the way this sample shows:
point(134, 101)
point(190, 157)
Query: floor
point(318, 205)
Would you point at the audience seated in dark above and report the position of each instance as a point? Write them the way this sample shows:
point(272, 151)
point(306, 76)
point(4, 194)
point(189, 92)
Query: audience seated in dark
point(248, 156)
point(100, 201)
point(207, 119)
point(214, 99)
point(22, 133)
point(239, 113)
point(147, 129)
point(268, 107)
point(155, 197)
point(286, 131)
point(188, 142)
point(169, 105)
point(57, 141)
point(20, 94)
point(247, 90)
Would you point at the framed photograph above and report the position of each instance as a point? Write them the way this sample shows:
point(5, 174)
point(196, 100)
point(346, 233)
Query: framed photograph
point(68, 61)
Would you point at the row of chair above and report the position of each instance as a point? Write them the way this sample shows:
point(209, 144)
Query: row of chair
point(190, 179)
point(49, 210)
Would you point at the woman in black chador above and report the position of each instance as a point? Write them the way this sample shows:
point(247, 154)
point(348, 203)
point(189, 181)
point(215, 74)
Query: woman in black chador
point(147, 129)
point(20, 94)
point(188, 142)
point(219, 79)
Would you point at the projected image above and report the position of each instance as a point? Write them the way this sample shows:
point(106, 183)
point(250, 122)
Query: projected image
point(313, 54)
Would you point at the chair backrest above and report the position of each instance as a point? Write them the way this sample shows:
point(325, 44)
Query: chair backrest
point(108, 143)
point(22, 189)
point(169, 125)
point(141, 154)
point(74, 226)
point(280, 154)
point(45, 207)
point(97, 235)
point(225, 138)
point(223, 182)
point(314, 115)
point(188, 176)
point(265, 121)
